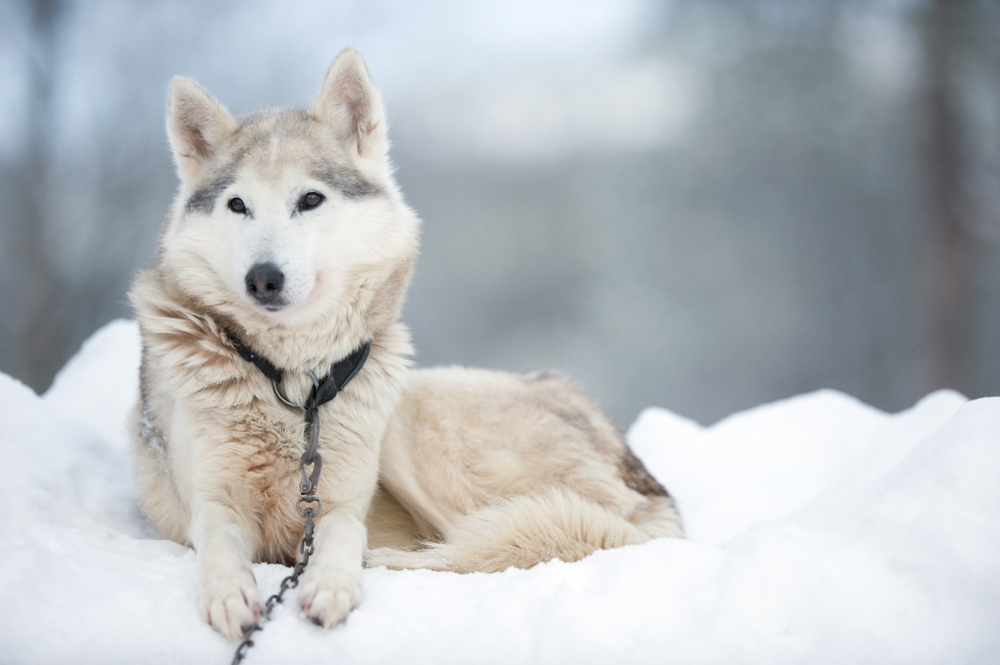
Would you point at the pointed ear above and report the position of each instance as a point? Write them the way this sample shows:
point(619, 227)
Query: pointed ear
point(197, 125)
point(349, 103)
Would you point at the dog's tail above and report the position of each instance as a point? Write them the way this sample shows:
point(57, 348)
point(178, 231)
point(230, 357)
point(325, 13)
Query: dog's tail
point(522, 531)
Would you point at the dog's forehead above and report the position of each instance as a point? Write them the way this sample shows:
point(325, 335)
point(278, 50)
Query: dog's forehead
point(269, 143)
point(274, 147)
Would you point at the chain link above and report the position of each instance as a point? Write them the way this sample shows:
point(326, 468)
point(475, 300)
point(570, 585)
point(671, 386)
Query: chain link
point(290, 582)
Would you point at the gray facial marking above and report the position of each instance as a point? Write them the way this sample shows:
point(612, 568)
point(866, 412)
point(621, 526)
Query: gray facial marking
point(346, 180)
point(203, 199)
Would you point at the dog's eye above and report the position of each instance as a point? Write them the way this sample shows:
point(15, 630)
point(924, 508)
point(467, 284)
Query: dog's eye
point(310, 200)
point(236, 205)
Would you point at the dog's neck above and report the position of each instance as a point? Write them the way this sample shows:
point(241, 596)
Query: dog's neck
point(295, 349)
point(342, 371)
point(279, 353)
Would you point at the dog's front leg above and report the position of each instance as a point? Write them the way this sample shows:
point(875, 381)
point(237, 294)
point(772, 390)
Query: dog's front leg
point(331, 584)
point(228, 598)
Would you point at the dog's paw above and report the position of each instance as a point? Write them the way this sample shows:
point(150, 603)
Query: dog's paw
point(327, 595)
point(230, 602)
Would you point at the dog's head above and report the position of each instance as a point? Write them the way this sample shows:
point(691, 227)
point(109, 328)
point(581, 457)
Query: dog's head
point(289, 218)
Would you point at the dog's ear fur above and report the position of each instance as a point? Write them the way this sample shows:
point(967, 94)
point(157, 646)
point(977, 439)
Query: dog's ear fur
point(350, 103)
point(197, 125)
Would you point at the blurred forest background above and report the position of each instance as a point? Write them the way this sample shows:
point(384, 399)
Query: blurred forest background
point(696, 204)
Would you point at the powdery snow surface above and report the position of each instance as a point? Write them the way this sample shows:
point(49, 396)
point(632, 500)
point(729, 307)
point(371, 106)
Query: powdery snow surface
point(821, 531)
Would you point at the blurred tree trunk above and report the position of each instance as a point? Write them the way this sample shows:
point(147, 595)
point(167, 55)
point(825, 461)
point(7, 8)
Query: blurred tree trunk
point(946, 271)
point(39, 282)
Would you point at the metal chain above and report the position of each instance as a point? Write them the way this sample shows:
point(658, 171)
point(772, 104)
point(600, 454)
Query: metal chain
point(290, 582)
point(307, 488)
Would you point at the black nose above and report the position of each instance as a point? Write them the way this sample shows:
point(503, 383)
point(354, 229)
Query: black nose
point(264, 283)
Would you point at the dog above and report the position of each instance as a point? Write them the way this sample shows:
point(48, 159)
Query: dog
point(287, 253)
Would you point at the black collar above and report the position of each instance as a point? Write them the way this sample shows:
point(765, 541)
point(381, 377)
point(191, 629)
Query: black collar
point(340, 374)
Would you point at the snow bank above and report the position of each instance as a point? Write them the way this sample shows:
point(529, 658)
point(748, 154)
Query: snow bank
point(821, 531)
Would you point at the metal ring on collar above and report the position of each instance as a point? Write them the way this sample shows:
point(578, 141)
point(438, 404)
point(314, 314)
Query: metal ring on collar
point(287, 402)
point(283, 399)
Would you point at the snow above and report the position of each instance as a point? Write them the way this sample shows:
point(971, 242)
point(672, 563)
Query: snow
point(821, 530)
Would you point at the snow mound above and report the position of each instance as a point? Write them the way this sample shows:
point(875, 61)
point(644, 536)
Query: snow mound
point(821, 530)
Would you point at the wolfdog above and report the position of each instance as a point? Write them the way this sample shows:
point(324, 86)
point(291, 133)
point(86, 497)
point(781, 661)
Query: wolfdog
point(287, 253)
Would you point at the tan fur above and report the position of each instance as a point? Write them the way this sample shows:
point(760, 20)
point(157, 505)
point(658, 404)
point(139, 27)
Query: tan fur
point(478, 470)
point(500, 470)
